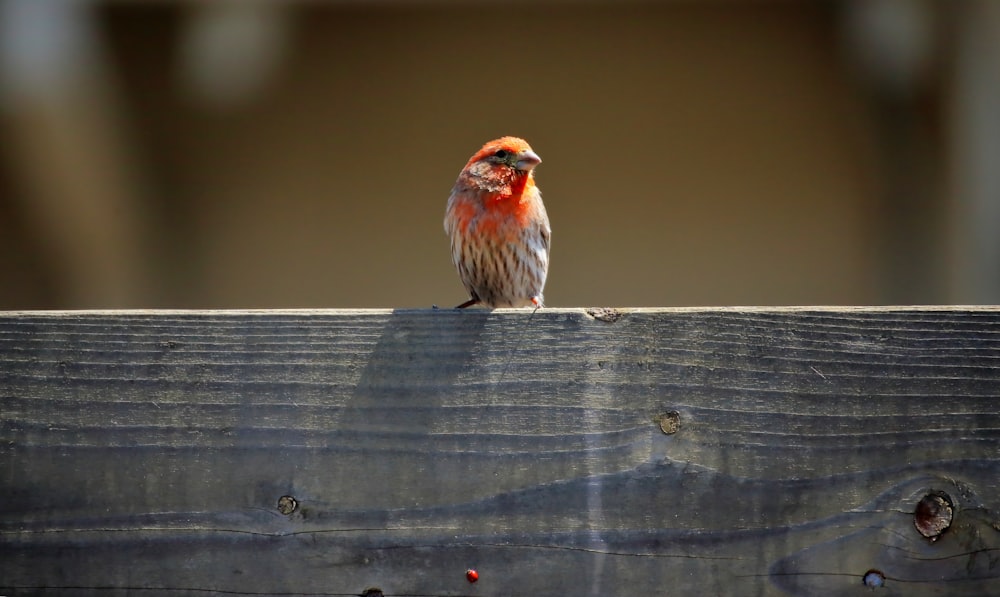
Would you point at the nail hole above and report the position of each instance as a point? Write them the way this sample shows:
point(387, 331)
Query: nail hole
point(287, 504)
point(933, 514)
point(372, 592)
point(670, 422)
point(873, 579)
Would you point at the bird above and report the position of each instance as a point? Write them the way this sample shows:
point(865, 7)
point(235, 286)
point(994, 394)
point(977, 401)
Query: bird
point(498, 227)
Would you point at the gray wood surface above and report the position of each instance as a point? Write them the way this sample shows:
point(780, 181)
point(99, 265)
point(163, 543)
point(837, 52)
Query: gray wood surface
point(149, 452)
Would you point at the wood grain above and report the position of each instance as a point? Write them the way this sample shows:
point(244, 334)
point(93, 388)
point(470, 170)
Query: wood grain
point(148, 451)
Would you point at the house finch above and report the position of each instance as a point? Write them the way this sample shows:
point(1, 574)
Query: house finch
point(498, 227)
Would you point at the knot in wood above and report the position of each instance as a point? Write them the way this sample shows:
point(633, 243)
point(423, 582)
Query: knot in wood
point(605, 314)
point(933, 514)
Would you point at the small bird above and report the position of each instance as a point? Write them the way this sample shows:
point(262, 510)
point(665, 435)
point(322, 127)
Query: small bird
point(498, 226)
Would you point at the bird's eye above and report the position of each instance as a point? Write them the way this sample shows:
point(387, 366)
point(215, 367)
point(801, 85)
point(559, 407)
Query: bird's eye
point(501, 153)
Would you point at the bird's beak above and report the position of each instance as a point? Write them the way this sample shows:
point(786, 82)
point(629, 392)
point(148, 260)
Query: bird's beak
point(526, 160)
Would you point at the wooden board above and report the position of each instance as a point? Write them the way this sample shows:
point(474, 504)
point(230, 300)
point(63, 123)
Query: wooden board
point(637, 452)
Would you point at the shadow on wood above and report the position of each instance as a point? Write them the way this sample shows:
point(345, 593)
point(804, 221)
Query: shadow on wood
point(715, 451)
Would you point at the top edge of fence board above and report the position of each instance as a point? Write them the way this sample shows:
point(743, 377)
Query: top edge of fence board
point(552, 310)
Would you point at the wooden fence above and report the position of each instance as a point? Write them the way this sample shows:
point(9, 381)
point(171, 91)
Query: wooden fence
point(569, 452)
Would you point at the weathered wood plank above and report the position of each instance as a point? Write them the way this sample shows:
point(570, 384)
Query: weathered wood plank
point(149, 450)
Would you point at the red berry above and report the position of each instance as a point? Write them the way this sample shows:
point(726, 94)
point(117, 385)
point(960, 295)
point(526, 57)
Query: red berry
point(471, 575)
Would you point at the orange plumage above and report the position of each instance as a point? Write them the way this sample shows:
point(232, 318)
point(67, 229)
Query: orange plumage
point(498, 226)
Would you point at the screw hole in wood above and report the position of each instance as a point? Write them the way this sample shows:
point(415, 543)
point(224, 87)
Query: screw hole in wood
point(873, 579)
point(669, 422)
point(287, 504)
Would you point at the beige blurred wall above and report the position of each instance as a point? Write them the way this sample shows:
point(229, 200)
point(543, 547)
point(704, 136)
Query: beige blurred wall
point(693, 154)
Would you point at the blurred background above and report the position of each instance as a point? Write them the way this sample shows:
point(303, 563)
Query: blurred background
point(251, 154)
